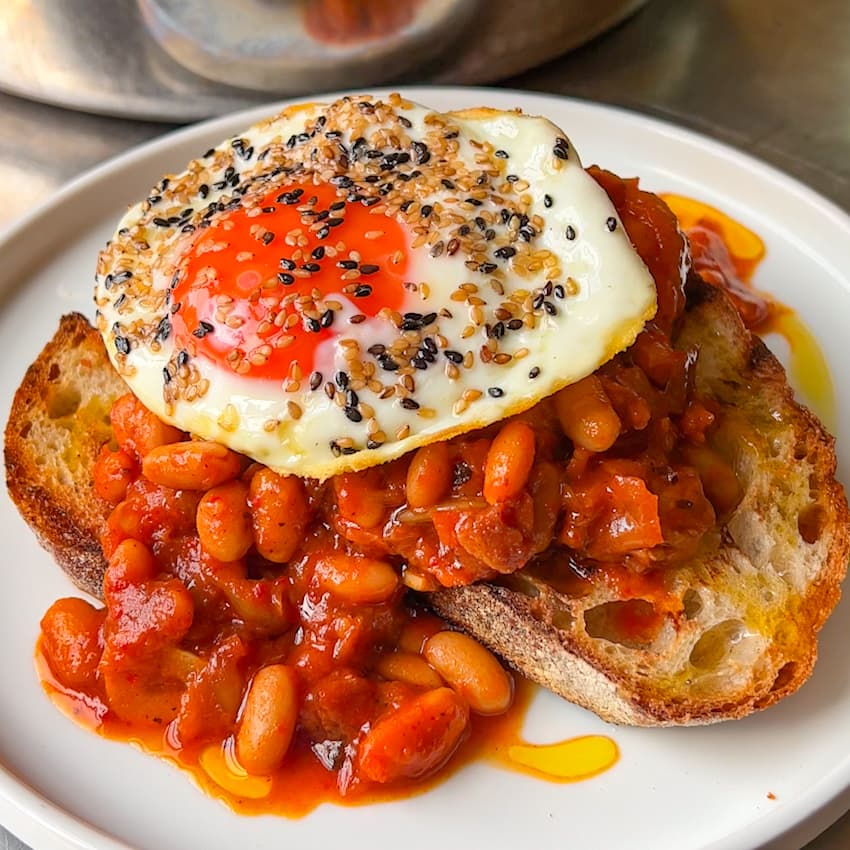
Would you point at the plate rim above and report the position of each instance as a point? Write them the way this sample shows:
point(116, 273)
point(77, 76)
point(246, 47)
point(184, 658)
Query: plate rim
point(40, 820)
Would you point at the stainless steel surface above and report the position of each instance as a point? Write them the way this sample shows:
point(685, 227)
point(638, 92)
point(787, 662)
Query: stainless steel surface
point(289, 46)
point(772, 79)
point(97, 55)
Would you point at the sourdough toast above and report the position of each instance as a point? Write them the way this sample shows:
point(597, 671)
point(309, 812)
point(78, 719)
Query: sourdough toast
point(751, 604)
point(58, 423)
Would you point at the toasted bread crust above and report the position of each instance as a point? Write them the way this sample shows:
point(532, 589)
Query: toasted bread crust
point(788, 469)
point(58, 422)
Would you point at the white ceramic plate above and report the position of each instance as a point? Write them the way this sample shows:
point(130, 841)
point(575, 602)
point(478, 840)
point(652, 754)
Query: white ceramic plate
point(689, 789)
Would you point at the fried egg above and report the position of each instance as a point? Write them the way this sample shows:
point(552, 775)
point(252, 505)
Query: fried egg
point(344, 282)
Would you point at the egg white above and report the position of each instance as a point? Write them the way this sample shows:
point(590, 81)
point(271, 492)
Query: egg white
point(609, 297)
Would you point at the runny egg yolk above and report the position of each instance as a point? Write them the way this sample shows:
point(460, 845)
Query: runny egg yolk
point(258, 291)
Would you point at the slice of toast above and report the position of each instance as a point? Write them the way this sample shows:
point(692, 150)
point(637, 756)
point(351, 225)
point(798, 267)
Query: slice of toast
point(58, 423)
point(752, 604)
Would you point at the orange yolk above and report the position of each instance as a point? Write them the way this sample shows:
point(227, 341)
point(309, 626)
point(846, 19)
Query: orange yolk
point(260, 289)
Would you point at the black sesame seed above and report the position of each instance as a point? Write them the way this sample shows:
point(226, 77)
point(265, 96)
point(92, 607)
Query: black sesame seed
point(318, 253)
point(498, 330)
point(562, 148)
point(315, 380)
point(313, 325)
point(182, 358)
point(451, 135)
point(335, 222)
point(122, 344)
point(537, 303)
point(335, 449)
point(347, 264)
point(163, 329)
point(321, 215)
point(323, 232)
point(421, 154)
point(353, 414)
point(487, 268)
point(611, 223)
point(373, 444)
point(426, 210)
point(166, 375)
point(474, 201)
point(454, 356)
point(268, 237)
point(268, 210)
point(464, 230)
point(287, 264)
point(512, 178)
point(122, 276)
point(363, 290)
point(208, 153)
point(326, 319)
point(388, 364)
point(559, 291)
point(202, 330)
point(123, 297)
point(419, 363)
point(377, 349)
point(351, 398)
point(505, 252)
point(514, 324)
point(570, 232)
point(480, 223)
point(311, 267)
point(534, 372)
point(368, 268)
point(489, 234)
point(496, 392)
point(342, 180)
point(285, 278)
point(451, 248)
point(437, 248)
point(502, 154)
point(550, 308)
point(447, 183)
point(547, 201)
point(527, 233)
point(161, 222)
point(404, 122)
point(349, 450)
point(409, 404)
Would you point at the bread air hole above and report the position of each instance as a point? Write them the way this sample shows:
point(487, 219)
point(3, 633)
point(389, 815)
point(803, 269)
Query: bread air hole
point(716, 644)
point(784, 676)
point(633, 623)
point(62, 402)
point(811, 522)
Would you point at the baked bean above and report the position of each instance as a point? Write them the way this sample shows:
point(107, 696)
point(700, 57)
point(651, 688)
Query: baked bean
point(408, 667)
point(191, 465)
point(473, 671)
point(415, 739)
point(355, 579)
point(137, 430)
point(509, 460)
point(429, 476)
point(268, 719)
point(279, 514)
point(419, 581)
point(416, 632)
point(587, 416)
point(71, 640)
point(114, 472)
point(360, 497)
point(131, 563)
point(224, 521)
